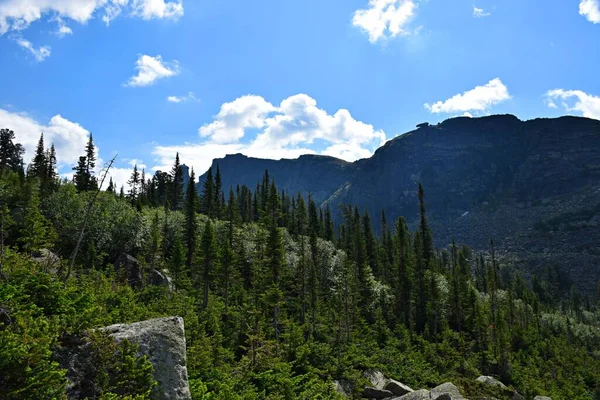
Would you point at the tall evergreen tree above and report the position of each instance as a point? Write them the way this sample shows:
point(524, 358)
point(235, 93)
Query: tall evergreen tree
point(208, 194)
point(176, 187)
point(134, 182)
point(39, 163)
point(218, 193)
point(210, 259)
point(191, 228)
point(11, 154)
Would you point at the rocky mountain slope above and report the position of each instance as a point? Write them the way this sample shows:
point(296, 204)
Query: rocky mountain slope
point(534, 186)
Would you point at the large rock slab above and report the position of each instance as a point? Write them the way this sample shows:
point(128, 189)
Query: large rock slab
point(130, 267)
point(162, 340)
point(377, 379)
point(420, 394)
point(446, 391)
point(397, 388)
point(542, 398)
point(378, 394)
point(491, 381)
point(343, 387)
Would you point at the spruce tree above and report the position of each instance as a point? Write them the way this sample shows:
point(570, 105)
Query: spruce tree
point(81, 177)
point(176, 187)
point(218, 193)
point(111, 186)
point(208, 194)
point(133, 182)
point(191, 228)
point(37, 232)
point(39, 163)
point(90, 156)
point(210, 259)
point(11, 154)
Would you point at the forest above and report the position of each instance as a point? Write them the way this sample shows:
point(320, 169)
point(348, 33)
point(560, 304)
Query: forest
point(279, 300)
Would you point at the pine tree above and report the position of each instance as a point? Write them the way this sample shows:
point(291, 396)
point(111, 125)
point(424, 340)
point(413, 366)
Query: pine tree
point(218, 193)
point(39, 163)
point(133, 182)
point(208, 194)
point(37, 232)
point(191, 228)
point(210, 259)
point(404, 272)
point(90, 156)
point(81, 177)
point(111, 186)
point(11, 154)
point(424, 229)
point(176, 189)
point(51, 172)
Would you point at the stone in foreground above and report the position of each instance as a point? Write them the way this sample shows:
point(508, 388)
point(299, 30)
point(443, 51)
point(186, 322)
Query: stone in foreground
point(446, 391)
point(397, 388)
point(542, 398)
point(162, 340)
point(373, 393)
point(420, 394)
point(491, 381)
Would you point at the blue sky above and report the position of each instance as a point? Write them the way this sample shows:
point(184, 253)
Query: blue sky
point(281, 78)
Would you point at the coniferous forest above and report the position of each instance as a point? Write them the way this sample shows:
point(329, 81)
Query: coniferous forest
point(279, 298)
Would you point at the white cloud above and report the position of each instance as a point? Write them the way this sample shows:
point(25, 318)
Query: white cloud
point(481, 98)
point(587, 104)
point(253, 126)
point(182, 99)
point(40, 53)
point(62, 30)
point(148, 9)
point(591, 10)
point(17, 15)
point(480, 13)
point(150, 69)
point(385, 18)
point(69, 138)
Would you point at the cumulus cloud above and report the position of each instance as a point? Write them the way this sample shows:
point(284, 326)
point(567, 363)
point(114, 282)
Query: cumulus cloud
point(150, 69)
point(253, 126)
point(590, 9)
point(40, 53)
point(385, 18)
point(182, 99)
point(481, 98)
point(480, 12)
point(69, 137)
point(17, 15)
point(584, 103)
point(148, 9)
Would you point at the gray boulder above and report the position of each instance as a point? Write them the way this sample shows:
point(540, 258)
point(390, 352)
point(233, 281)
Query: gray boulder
point(373, 393)
point(542, 398)
point(517, 396)
point(397, 388)
point(420, 394)
point(343, 387)
point(46, 258)
point(157, 278)
point(130, 267)
point(162, 340)
point(445, 391)
point(488, 380)
point(377, 379)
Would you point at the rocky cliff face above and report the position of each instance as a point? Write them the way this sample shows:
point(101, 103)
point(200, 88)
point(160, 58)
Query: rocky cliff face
point(320, 176)
point(534, 186)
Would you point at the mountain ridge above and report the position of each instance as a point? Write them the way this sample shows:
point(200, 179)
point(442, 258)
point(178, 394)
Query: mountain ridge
point(491, 177)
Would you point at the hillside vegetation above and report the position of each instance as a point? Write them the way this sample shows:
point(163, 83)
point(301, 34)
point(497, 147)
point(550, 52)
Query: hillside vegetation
point(277, 301)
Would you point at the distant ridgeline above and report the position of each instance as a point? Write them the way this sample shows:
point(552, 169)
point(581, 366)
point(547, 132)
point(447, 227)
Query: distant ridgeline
point(281, 302)
point(533, 186)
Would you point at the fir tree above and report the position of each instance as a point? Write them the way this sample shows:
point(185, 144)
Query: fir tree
point(39, 163)
point(37, 232)
point(210, 259)
point(208, 194)
point(218, 193)
point(111, 186)
point(176, 189)
point(191, 204)
point(133, 182)
point(11, 154)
